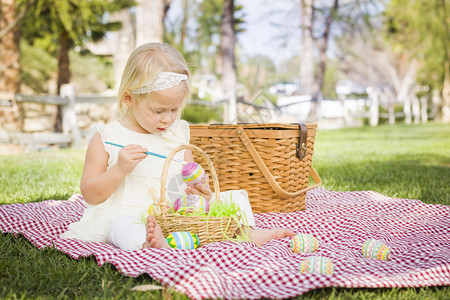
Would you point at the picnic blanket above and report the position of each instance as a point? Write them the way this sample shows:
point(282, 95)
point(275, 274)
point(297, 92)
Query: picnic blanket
point(418, 235)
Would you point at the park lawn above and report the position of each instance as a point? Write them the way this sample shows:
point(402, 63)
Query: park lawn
point(399, 161)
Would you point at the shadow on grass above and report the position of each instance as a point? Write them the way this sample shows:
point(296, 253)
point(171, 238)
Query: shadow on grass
point(401, 176)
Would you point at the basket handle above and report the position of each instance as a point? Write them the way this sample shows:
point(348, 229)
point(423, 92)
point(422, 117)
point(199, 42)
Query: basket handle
point(269, 177)
point(163, 200)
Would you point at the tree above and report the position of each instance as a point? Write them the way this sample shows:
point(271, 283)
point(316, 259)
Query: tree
point(210, 40)
point(9, 7)
point(308, 18)
point(9, 47)
point(369, 60)
point(421, 31)
point(180, 33)
point(255, 73)
point(208, 34)
point(9, 51)
point(307, 42)
point(150, 16)
point(317, 22)
point(62, 25)
point(227, 45)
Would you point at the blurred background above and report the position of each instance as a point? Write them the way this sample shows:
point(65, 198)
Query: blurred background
point(337, 63)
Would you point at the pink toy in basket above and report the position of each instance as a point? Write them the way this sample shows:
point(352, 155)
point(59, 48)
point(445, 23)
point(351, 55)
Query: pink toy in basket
point(194, 175)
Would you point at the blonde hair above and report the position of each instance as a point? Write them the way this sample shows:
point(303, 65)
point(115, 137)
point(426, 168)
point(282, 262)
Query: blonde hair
point(144, 63)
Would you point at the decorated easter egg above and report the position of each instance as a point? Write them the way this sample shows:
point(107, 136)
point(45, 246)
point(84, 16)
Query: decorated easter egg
point(317, 265)
point(191, 203)
point(183, 240)
point(376, 249)
point(193, 174)
point(304, 243)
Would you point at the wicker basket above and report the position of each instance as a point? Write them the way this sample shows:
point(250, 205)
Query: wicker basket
point(208, 229)
point(272, 162)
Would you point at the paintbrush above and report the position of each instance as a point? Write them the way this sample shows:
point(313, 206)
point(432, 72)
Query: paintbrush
point(151, 153)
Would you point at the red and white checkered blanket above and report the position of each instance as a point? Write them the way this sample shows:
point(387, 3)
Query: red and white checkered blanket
point(418, 235)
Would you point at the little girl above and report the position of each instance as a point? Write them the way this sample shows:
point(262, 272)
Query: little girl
point(117, 182)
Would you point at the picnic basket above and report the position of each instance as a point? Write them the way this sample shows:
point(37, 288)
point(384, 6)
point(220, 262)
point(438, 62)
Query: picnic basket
point(208, 229)
point(271, 161)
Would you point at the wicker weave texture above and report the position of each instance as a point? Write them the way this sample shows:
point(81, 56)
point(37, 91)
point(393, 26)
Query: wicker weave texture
point(208, 229)
point(276, 144)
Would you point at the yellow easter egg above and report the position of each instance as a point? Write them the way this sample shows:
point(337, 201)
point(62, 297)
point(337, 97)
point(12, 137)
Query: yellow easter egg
point(376, 250)
point(304, 243)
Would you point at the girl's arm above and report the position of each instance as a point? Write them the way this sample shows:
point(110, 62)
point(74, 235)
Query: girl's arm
point(98, 183)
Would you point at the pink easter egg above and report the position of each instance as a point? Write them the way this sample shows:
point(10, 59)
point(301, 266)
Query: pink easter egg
point(193, 174)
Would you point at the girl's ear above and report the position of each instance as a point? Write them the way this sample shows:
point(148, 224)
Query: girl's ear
point(127, 98)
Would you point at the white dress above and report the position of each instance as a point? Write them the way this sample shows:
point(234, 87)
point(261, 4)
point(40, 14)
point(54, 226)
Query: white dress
point(120, 219)
point(133, 196)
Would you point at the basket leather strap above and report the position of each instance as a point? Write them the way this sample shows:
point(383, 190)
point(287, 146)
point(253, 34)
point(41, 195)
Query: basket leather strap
point(269, 177)
point(303, 142)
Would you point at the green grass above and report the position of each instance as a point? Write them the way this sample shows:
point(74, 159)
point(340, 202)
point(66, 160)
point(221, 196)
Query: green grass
point(400, 161)
point(37, 176)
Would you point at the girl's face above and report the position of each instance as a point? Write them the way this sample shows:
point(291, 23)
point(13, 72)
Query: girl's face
point(158, 114)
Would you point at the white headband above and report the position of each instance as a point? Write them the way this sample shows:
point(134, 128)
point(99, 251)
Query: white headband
point(162, 81)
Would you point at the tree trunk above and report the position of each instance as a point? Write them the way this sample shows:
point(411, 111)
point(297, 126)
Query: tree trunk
point(424, 109)
point(183, 27)
point(307, 44)
point(9, 49)
point(307, 84)
point(12, 23)
point(391, 112)
point(415, 108)
point(446, 94)
point(404, 90)
point(227, 44)
point(435, 104)
point(374, 108)
point(150, 21)
point(317, 92)
point(63, 72)
point(446, 86)
point(124, 43)
point(407, 109)
point(10, 57)
point(324, 46)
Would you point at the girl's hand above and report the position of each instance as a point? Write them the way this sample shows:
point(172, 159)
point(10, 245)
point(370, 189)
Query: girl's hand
point(129, 157)
point(205, 192)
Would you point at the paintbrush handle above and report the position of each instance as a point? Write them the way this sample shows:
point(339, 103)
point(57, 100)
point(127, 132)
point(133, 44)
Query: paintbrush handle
point(151, 153)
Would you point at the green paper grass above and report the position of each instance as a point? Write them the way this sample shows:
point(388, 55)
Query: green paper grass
point(224, 208)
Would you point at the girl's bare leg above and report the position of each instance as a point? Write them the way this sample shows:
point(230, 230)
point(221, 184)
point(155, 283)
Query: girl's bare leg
point(262, 236)
point(155, 237)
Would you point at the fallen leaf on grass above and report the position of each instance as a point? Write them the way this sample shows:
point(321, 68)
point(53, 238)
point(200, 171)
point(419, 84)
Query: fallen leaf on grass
point(147, 287)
